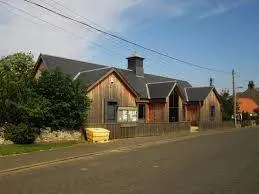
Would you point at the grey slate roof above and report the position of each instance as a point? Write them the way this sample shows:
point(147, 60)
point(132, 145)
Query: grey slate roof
point(91, 77)
point(72, 67)
point(68, 66)
point(196, 94)
point(160, 89)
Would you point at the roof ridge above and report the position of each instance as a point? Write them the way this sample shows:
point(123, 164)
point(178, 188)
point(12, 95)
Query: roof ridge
point(161, 82)
point(123, 69)
point(165, 77)
point(201, 87)
point(81, 61)
point(76, 60)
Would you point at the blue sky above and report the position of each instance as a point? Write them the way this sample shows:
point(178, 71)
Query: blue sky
point(220, 34)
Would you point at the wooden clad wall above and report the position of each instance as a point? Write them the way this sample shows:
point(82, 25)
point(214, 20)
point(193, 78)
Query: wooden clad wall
point(180, 110)
point(192, 111)
point(41, 67)
point(111, 88)
point(211, 100)
point(157, 112)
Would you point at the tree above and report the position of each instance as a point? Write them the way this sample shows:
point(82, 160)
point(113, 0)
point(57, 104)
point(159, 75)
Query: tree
point(21, 109)
point(68, 103)
point(226, 102)
point(17, 97)
point(27, 105)
point(19, 65)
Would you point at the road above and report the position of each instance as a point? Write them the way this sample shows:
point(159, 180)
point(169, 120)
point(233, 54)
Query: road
point(221, 163)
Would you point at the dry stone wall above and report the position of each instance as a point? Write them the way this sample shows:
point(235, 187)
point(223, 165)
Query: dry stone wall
point(48, 136)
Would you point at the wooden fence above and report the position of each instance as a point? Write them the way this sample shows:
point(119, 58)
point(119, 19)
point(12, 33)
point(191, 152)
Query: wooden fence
point(120, 130)
point(216, 125)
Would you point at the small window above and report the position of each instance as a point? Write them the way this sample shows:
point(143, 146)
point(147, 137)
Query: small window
point(212, 111)
point(141, 111)
point(111, 111)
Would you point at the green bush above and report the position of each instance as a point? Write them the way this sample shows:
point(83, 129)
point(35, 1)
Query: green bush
point(21, 133)
point(55, 100)
point(257, 121)
point(18, 100)
point(68, 103)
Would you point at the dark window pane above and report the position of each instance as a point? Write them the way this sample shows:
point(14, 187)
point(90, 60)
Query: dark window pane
point(212, 111)
point(111, 111)
point(141, 111)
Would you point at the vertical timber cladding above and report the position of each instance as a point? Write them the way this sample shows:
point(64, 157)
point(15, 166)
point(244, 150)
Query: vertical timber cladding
point(157, 112)
point(41, 67)
point(180, 110)
point(111, 88)
point(193, 111)
point(211, 100)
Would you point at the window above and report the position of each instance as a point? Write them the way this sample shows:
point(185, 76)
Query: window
point(111, 111)
point(141, 111)
point(212, 111)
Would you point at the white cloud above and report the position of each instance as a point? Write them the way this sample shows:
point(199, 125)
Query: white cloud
point(146, 9)
point(24, 33)
point(220, 8)
point(201, 9)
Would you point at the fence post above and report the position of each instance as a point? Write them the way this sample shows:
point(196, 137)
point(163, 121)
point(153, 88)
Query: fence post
point(114, 132)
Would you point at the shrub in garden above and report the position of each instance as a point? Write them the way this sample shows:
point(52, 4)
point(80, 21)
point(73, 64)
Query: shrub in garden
point(18, 101)
point(68, 103)
point(21, 133)
point(55, 100)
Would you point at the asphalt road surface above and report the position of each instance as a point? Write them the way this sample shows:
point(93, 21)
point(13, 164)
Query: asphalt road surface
point(221, 163)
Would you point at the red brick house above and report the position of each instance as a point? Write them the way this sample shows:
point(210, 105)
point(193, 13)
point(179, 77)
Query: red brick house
point(130, 95)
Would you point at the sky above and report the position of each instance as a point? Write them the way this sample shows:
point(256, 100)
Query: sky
point(217, 34)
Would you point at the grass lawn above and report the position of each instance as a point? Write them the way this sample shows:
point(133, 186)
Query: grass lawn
point(19, 149)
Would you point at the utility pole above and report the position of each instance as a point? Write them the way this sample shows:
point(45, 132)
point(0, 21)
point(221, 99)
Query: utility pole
point(234, 97)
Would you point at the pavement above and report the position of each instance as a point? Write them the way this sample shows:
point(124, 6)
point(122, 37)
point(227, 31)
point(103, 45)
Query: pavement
point(19, 162)
point(15, 162)
point(212, 161)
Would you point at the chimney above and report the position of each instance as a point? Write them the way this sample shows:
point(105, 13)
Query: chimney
point(135, 63)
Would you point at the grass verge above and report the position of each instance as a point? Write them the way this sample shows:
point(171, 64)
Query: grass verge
point(19, 149)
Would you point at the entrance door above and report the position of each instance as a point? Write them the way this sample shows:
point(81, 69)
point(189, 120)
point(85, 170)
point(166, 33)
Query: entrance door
point(111, 112)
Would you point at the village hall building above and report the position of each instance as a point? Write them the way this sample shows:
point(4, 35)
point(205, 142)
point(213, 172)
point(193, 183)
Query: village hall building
point(131, 95)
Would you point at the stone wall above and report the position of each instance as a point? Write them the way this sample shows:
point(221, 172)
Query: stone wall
point(3, 141)
point(48, 136)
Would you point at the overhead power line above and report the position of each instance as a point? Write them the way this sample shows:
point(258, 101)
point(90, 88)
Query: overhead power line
point(124, 39)
point(32, 19)
point(116, 42)
point(104, 49)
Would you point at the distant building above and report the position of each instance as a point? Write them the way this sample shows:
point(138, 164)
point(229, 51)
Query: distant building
point(249, 99)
